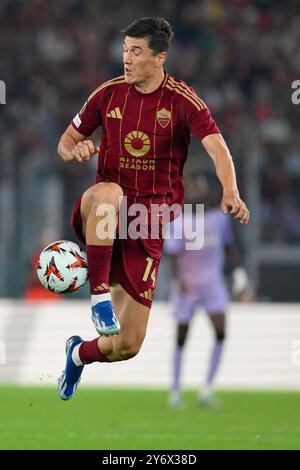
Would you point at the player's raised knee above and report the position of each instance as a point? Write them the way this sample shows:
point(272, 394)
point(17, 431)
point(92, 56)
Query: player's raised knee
point(106, 193)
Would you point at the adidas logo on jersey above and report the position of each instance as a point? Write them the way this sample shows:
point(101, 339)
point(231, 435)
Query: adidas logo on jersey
point(115, 113)
point(102, 286)
point(147, 294)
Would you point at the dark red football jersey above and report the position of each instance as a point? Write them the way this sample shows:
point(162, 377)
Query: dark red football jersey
point(145, 137)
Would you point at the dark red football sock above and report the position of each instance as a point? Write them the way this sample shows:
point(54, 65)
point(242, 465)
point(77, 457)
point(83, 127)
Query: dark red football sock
point(89, 352)
point(99, 259)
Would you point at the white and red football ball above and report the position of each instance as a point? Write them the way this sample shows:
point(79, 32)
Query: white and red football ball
point(62, 267)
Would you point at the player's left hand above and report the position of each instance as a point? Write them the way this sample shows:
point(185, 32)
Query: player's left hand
point(232, 203)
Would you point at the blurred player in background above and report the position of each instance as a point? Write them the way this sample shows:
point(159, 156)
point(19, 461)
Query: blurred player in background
point(199, 281)
point(147, 118)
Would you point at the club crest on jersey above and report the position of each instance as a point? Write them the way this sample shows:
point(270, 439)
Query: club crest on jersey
point(137, 143)
point(163, 117)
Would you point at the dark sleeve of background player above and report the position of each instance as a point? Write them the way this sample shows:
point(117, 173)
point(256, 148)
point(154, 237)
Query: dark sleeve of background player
point(229, 242)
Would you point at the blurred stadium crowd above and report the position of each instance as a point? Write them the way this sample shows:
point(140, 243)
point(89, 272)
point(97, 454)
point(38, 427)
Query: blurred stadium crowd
point(240, 56)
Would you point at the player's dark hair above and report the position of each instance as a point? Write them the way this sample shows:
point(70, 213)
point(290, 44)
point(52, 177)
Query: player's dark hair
point(157, 30)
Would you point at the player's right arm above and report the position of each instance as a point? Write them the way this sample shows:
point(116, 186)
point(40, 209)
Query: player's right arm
point(75, 146)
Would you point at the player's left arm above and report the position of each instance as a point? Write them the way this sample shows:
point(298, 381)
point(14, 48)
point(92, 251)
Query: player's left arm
point(217, 149)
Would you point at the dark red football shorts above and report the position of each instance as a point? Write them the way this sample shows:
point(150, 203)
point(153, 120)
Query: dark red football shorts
point(134, 262)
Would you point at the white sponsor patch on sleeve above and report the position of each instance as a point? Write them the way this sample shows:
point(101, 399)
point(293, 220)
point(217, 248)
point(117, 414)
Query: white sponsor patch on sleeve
point(77, 120)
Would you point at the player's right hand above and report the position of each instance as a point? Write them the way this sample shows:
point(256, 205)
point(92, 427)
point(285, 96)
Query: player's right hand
point(84, 150)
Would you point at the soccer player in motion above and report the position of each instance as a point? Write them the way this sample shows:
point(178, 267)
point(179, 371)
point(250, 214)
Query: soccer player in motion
point(147, 118)
point(198, 280)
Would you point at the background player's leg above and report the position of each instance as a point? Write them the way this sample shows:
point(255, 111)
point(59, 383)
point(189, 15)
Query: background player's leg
point(99, 210)
point(218, 322)
point(181, 335)
point(183, 307)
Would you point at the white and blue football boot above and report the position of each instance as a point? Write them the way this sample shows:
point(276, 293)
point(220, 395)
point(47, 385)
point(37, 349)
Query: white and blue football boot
point(70, 377)
point(104, 318)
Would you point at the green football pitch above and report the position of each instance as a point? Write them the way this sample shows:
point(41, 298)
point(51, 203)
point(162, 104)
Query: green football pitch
point(34, 418)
